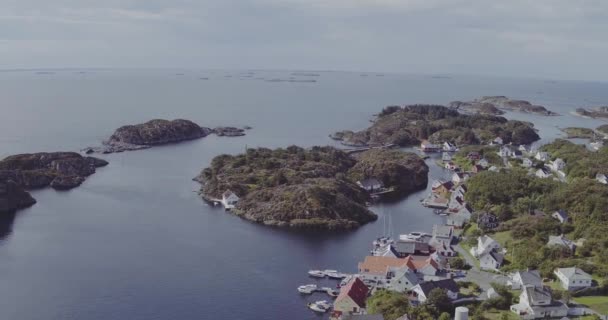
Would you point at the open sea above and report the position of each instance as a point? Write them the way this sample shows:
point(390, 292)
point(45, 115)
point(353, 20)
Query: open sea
point(136, 242)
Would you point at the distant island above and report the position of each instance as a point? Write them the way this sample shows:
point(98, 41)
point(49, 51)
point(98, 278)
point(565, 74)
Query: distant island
point(495, 105)
point(320, 187)
point(595, 113)
point(409, 125)
point(159, 132)
point(59, 170)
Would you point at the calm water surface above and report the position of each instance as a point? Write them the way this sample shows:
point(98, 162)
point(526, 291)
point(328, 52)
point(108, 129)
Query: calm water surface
point(135, 241)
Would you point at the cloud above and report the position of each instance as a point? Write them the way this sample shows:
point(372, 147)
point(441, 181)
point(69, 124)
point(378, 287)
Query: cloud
point(516, 37)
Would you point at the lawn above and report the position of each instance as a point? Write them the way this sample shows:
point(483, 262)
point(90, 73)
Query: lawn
point(503, 238)
point(597, 303)
point(467, 250)
point(496, 315)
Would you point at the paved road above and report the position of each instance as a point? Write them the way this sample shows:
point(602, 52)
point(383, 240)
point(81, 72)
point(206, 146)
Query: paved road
point(482, 278)
point(467, 256)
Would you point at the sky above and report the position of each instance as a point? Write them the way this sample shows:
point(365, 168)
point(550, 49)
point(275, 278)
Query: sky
point(556, 39)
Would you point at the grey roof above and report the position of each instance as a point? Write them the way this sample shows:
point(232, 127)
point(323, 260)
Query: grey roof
point(410, 246)
point(560, 241)
point(442, 231)
point(447, 284)
point(531, 278)
point(498, 257)
point(575, 273)
point(537, 294)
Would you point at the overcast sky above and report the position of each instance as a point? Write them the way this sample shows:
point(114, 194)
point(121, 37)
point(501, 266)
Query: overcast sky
point(560, 39)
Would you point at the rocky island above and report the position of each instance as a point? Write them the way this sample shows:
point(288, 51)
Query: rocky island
point(495, 105)
point(595, 113)
point(578, 133)
point(158, 132)
point(59, 170)
point(307, 188)
point(409, 125)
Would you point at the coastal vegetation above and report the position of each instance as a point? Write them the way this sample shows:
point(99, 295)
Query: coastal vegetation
point(576, 132)
point(581, 162)
point(409, 125)
point(516, 198)
point(308, 188)
point(393, 305)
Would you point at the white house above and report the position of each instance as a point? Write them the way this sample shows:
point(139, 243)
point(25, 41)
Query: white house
point(527, 163)
point(542, 173)
point(422, 290)
point(542, 156)
point(451, 166)
point(557, 165)
point(537, 303)
point(459, 177)
point(505, 152)
point(561, 241)
point(560, 215)
point(522, 148)
point(521, 279)
point(445, 157)
point(484, 245)
point(449, 147)
point(426, 146)
point(498, 140)
point(401, 280)
point(601, 178)
point(493, 169)
point(370, 184)
point(229, 199)
point(483, 162)
point(491, 260)
point(573, 278)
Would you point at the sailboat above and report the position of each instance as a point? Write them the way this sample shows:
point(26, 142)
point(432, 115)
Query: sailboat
point(383, 243)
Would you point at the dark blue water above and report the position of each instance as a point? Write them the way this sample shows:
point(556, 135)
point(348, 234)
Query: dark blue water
point(135, 241)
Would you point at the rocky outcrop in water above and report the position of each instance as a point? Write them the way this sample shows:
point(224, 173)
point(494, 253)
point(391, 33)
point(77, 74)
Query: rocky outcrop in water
point(409, 125)
point(13, 197)
point(595, 113)
point(59, 170)
point(159, 132)
point(495, 105)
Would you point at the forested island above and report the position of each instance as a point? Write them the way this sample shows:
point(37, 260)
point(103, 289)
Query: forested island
point(59, 170)
point(495, 105)
point(309, 188)
point(409, 125)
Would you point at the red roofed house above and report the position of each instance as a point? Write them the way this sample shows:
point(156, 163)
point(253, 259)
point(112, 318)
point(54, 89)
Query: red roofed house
point(351, 299)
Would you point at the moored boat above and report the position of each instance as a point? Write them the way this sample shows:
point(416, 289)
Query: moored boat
point(316, 273)
point(307, 289)
point(315, 306)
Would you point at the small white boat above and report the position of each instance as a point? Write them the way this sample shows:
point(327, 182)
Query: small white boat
point(307, 289)
point(383, 241)
point(316, 273)
point(317, 308)
point(324, 304)
point(335, 275)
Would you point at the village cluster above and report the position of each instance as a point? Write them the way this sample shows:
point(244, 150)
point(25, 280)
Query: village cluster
point(414, 264)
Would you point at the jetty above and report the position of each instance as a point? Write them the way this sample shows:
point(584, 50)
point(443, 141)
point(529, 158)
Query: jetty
point(363, 149)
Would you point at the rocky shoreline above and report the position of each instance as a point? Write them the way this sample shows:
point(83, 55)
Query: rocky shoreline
point(159, 132)
point(58, 170)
